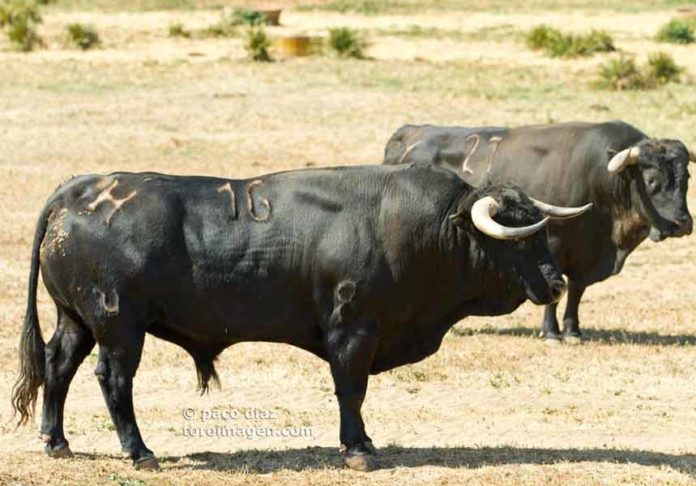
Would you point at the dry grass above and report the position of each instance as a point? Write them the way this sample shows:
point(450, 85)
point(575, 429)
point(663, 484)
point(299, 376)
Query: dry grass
point(494, 406)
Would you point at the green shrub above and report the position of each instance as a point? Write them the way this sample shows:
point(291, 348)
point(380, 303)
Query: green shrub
point(243, 16)
point(557, 44)
point(20, 19)
point(346, 43)
point(541, 36)
point(621, 74)
point(676, 31)
point(178, 30)
point(661, 69)
point(624, 74)
point(598, 41)
point(83, 36)
point(257, 44)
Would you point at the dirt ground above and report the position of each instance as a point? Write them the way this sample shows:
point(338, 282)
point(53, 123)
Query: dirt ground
point(495, 405)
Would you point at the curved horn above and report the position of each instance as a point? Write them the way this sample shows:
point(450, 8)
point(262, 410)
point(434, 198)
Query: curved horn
point(626, 157)
point(692, 156)
point(559, 212)
point(482, 213)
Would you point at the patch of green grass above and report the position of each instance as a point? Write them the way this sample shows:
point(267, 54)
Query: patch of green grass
point(621, 74)
point(229, 21)
point(244, 16)
point(177, 29)
point(624, 74)
point(19, 19)
point(346, 42)
point(558, 44)
point(257, 44)
point(541, 36)
point(662, 69)
point(83, 36)
point(677, 32)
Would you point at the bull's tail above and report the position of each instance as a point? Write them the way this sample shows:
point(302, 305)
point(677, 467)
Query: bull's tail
point(31, 344)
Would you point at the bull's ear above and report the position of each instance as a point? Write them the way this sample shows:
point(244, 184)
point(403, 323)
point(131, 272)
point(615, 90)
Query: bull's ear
point(461, 218)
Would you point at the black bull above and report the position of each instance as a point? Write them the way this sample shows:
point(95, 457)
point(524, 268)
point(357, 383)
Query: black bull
point(567, 164)
point(367, 268)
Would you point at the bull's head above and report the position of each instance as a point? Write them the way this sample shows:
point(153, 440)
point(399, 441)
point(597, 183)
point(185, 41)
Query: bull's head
point(523, 247)
point(661, 175)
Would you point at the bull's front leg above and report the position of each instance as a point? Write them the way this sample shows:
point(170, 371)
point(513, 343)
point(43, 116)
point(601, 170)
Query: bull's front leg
point(351, 345)
point(571, 320)
point(549, 327)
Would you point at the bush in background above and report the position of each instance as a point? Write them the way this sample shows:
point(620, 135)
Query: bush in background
point(624, 74)
point(177, 29)
point(621, 74)
point(243, 16)
point(541, 36)
point(662, 69)
point(557, 44)
point(346, 43)
point(83, 36)
point(257, 44)
point(19, 19)
point(676, 31)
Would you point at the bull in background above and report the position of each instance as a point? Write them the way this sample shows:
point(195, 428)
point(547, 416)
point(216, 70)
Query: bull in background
point(365, 267)
point(637, 184)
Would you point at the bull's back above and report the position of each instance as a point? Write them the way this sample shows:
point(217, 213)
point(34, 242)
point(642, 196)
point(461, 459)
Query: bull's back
point(251, 257)
point(458, 149)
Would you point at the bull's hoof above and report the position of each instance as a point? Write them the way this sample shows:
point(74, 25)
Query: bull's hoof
point(147, 463)
point(370, 447)
point(60, 452)
point(362, 462)
point(552, 342)
point(572, 340)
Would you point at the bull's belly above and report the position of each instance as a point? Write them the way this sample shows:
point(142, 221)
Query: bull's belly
point(405, 345)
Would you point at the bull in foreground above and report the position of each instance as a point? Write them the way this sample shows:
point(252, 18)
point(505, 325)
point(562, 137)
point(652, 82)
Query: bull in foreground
point(637, 184)
point(365, 267)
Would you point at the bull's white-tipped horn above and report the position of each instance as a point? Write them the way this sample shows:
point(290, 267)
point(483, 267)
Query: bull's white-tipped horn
point(692, 156)
point(624, 158)
point(482, 213)
point(559, 212)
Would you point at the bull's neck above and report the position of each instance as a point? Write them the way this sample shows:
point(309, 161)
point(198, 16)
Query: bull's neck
point(627, 203)
point(477, 284)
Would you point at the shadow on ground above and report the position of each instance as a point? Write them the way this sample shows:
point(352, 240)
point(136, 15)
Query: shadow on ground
point(605, 336)
point(268, 461)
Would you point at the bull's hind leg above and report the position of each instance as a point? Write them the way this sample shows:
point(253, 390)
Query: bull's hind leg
point(571, 321)
point(549, 328)
point(351, 345)
point(66, 350)
point(120, 349)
